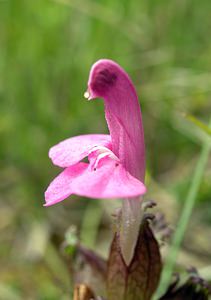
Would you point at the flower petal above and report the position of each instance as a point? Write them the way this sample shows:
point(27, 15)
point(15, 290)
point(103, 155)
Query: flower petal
point(72, 150)
point(108, 180)
point(61, 187)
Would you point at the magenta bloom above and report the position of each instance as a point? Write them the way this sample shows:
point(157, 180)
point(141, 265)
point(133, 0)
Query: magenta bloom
point(103, 177)
point(116, 165)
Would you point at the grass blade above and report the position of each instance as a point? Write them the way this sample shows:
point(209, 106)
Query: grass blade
point(184, 219)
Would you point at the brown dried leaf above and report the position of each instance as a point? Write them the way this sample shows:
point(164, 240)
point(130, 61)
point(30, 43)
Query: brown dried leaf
point(139, 280)
point(82, 292)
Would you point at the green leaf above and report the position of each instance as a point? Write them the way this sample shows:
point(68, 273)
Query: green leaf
point(199, 124)
point(71, 241)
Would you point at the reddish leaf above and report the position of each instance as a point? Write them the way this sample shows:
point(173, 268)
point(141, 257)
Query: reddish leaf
point(139, 280)
point(117, 272)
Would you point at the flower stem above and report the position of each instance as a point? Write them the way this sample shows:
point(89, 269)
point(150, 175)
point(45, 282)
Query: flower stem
point(129, 228)
point(184, 219)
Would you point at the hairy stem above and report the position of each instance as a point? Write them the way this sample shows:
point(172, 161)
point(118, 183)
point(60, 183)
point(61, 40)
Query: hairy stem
point(130, 225)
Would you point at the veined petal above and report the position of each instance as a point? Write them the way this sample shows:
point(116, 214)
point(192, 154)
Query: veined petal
point(108, 180)
point(72, 150)
point(61, 187)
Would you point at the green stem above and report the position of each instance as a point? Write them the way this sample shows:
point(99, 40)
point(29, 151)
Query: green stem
point(184, 219)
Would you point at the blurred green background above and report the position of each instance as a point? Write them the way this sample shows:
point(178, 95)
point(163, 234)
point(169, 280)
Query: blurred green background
point(46, 51)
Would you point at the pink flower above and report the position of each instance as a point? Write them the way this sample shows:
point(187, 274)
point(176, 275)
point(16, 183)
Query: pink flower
point(116, 167)
point(103, 177)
